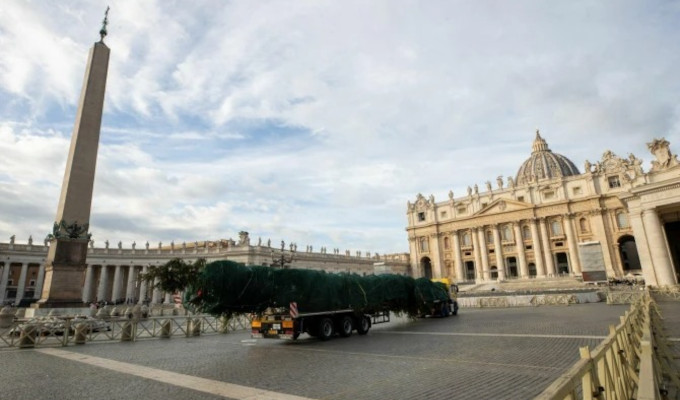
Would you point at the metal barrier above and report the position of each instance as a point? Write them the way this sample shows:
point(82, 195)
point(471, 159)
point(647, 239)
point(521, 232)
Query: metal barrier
point(624, 296)
point(634, 362)
point(67, 331)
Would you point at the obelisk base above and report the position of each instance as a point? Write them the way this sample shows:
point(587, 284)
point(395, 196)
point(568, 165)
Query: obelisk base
point(64, 274)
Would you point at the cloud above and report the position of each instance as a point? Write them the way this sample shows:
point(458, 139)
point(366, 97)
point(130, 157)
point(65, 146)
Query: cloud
point(316, 121)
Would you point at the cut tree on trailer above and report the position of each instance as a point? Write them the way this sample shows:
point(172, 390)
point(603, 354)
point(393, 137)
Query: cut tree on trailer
point(288, 302)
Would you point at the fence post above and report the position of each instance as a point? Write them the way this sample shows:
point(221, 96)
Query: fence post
point(80, 335)
point(648, 388)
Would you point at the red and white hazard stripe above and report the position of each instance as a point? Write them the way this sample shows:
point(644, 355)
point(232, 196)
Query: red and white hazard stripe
point(293, 309)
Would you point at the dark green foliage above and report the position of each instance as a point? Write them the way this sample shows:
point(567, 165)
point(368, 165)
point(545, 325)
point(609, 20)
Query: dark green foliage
point(227, 287)
point(173, 276)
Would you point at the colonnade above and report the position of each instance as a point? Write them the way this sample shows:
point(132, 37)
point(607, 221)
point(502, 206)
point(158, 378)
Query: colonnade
point(120, 284)
point(23, 285)
point(485, 252)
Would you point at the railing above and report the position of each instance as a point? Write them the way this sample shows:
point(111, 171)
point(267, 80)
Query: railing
point(67, 331)
point(634, 362)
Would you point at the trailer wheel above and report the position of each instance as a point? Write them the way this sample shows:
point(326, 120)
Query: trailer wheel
point(346, 326)
point(363, 326)
point(326, 329)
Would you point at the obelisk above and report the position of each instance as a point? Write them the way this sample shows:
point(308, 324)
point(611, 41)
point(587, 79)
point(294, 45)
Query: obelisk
point(66, 259)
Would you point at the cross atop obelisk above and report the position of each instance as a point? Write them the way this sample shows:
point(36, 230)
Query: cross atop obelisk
point(65, 263)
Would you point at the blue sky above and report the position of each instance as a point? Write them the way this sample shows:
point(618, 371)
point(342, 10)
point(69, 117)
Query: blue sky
point(316, 121)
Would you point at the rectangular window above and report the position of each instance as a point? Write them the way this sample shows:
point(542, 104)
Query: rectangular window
point(614, 182)
point(520, 198)
point(549, 195)
point(577, 190)
point(442, 214)
point(421, 216)
point(462, 210)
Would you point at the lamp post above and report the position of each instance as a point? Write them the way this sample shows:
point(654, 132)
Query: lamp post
point(282, 260)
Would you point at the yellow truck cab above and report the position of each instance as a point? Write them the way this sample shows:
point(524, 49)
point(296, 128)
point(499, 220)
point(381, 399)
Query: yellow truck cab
point(452, 290)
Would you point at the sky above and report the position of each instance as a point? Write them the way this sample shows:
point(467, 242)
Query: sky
point(315, 122)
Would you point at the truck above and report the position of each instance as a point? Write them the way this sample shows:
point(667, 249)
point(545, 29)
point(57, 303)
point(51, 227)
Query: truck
point(288, 323)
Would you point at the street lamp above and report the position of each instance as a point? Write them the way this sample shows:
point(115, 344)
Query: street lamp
point(282, 260)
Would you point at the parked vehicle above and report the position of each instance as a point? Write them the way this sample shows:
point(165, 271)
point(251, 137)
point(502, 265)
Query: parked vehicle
point(288, 323)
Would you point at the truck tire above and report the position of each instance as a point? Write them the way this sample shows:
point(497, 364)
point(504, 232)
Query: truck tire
point(345, 326)
point(363, 326)
point(326, 330)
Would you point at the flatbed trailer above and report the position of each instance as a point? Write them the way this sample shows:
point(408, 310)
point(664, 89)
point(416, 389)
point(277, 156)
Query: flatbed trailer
point(287, 323)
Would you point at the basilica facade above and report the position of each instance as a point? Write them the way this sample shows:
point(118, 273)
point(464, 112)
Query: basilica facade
point(550, 219)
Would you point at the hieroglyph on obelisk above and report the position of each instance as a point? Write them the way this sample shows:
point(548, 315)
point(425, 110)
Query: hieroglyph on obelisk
point(65, 263)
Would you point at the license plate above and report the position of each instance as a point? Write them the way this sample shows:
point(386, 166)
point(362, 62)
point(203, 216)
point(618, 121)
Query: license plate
point(276, 326)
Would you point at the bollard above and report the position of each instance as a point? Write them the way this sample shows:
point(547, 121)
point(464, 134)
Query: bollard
point(193, 327)
point(137, 312)
point(224, 328)
point(126, 334)
point(27, 336)
point(6, 317)
point(166, 327)
point(81, 331)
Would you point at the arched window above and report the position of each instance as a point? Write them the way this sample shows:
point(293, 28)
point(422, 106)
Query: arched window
point(466, 239)
point(447, 243)
point(583, 225)
point(423, 244)
point(622, 220)
point(489, 237)
point(507, 233)
point(556, 228)
point(526, 232)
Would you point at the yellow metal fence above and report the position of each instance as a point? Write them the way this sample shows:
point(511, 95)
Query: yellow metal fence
point(67, 331)
point(634, 362)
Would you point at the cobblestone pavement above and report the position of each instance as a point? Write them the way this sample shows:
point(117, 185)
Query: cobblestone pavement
point(511, 353)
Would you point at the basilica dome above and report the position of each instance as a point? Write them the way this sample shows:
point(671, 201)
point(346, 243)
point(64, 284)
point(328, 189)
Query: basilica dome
point(544, 164)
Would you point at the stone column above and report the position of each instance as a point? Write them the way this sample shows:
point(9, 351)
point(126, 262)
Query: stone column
point(500, 262)
point(156, 295)
point(600, 232)
point(3, 282)
point(538, 250)
point(87, 289)
point(413, 255)
point(484, 252)
point(547, 252)
point(39, 282)
point(663, 267)
point(168, 298)
point(436, 256)
point(478, 255)
point(521, 257)
point(458, 258)
point(130, 290)
point(21, 285)
point(143, 286)
point(573, 245)
point(642, 245)
point(103, 283)
point(115, 294)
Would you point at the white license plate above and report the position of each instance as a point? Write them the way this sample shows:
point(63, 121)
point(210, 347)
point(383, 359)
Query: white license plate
point(276, 326)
